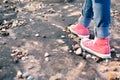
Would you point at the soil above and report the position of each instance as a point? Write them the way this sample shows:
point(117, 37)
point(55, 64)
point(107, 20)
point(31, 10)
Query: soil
point(33, 42)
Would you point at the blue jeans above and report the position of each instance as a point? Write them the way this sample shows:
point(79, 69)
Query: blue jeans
point(99, 10)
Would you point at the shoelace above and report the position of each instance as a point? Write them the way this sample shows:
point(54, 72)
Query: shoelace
point(90, 43)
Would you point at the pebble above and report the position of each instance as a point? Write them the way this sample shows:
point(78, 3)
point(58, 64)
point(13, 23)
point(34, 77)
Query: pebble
point(30, 67)
point(62, 36)
point(78, 51)
point(118, 55)
point(3, 30)
point(12, 55)
point(46, 54)
point(5, 1)
point(25, 75)
point(51, 10)
point(24, 58)
point(37, 35)
point(15, 23)
point(47, 59)
point(94, 57)
point(88, 56)
point(4, 21)
point(107, 60)
point(30, 78)
point(72, 36)
point(84, 73)
point(70, 51)
point(113, 49)
point(76, 46)
point(19, 74)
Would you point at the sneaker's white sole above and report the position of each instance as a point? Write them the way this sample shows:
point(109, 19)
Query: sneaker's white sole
point(80, 36)
point(105, 56)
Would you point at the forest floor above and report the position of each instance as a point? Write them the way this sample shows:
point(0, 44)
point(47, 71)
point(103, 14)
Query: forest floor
point(34, 45)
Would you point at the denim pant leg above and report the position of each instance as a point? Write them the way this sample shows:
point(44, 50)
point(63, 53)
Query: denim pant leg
point(101, 9)
point(87, 13)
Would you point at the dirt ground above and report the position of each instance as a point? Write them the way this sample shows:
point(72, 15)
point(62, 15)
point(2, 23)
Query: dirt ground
point(34, 45)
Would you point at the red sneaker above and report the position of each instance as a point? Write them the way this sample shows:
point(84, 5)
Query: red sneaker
point(80, 30)
point(99, 47)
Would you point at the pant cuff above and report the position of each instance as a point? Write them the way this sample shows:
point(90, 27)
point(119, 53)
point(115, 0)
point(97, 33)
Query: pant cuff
point(84, 21)
point(102, 32)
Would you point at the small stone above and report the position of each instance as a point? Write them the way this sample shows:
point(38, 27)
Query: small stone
point(25, 75)
point(15, 23)
point(5, 1)
point(3, 30)
point(94, 57)
point(118, 55)
point(113, 49)
point(19, 74)
point(4, 21)
point(75, 47)
point(62, 36)
point(72, 36)
point(88, 56)
point(12, 55)
point(23, 58)
point(70, 51)
point(78, 51)
point(47, 59)
point(30, 67)
point(84, 73)
point(30, 78)
point(37, 35)
point(46, 54)
point(51, 10)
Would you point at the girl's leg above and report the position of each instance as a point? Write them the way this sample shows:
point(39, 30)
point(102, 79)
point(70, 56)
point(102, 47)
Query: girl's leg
point(101, 9)
point(87, 13)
